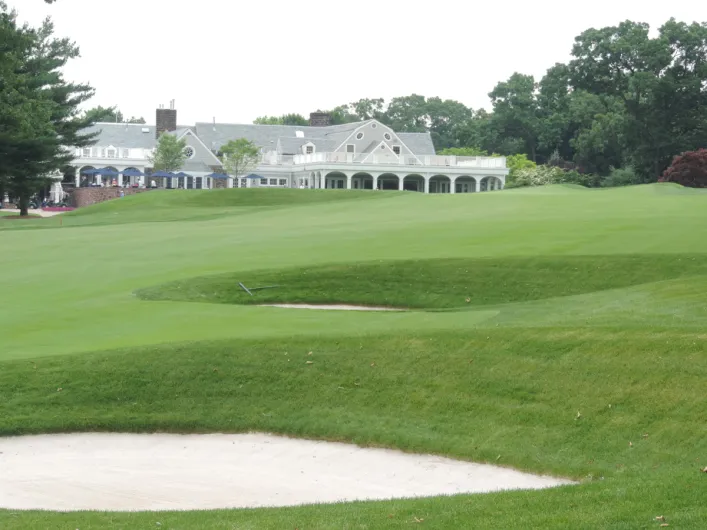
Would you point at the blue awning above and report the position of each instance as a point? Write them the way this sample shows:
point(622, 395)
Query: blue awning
point(254, 176)
point(218, 175)
point(166, 174)
point(130, 172)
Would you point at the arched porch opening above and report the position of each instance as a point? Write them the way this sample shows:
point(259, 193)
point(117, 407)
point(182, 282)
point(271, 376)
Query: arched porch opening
point(362, 181)
point(388, 181)
point(440, 184)
point(465, 184)
point(86, 180)
point(491, 184)
point(414, 182)
point(129, 181)
point(335, 180)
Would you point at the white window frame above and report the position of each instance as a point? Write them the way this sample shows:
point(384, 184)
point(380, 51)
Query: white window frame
point(308, 149)
point(86, 152)
point(397, 150)
point(126, 153)
point(272, 182)
point(282, 182)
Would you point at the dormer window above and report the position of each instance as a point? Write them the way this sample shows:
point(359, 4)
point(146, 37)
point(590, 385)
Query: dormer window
point(111, 153)
point(309, 149)
point(396, 149)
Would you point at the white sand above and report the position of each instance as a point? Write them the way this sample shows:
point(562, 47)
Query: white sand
point(40, 213)
point(335, 307)
point(125, 472)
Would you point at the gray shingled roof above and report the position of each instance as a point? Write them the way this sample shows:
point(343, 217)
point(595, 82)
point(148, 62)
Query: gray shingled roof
point(194, 165)
point(418, 143)
point(266, 136)
point(124, 135)
point(293, 146)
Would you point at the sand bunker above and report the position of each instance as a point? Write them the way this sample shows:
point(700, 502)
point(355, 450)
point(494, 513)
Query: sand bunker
point(126, 472)
point(335, 307)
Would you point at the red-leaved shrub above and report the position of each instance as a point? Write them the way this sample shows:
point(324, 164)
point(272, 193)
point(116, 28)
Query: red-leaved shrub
point(688, 169)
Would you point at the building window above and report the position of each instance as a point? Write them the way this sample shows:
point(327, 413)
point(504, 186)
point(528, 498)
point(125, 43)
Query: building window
point(111, 153)
point(387, 136)
point(310, 149)
point(103, 152)
point(86, 152)
point(263, 182)
point(126, 153)
point(396, 149)
point(382, 146)
point(350, 148)
point(273, 182)
point(374, 125)
point(359, 136)
point(283, 182)
point(189, 151)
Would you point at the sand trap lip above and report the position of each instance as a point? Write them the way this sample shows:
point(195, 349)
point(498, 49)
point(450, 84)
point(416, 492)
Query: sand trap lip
point(334, 307)
point(129, 472)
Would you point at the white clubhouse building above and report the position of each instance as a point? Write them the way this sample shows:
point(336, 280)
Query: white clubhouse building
point(362, 155)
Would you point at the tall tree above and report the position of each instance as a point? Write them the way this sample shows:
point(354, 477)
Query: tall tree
point(239, 157)
point(516, 112)
point(39, 116)
point(659, 81)
point(169, 155)
point(285, 119)
point(111, 115)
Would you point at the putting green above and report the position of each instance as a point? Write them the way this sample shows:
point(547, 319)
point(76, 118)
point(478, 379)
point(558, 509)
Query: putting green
point(581, 351)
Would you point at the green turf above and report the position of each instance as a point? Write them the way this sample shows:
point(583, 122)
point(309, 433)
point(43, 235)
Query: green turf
point(439, 283)
point(581, 300)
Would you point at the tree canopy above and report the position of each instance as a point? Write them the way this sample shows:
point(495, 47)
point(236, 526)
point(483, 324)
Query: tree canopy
point(169, 155)
point(39, 117)
point(110, 114)
point(239, 157)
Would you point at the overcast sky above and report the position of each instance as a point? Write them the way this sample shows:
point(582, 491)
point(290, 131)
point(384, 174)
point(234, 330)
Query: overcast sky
point(236, 60)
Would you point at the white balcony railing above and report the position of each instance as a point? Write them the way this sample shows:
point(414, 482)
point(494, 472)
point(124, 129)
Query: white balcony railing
point(485, 162)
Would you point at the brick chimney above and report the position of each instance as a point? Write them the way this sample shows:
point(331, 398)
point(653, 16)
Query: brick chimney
point(166, 119)
point(319, 119)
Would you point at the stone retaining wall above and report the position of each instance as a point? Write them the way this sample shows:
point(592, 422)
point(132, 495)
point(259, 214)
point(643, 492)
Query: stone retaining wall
point(87, 196)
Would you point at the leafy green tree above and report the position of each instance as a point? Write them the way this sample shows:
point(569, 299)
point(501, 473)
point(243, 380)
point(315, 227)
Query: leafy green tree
point(659, 81)
point(369, 109)
point(463, 151)
point(110, 115)
point(516, 112)
point(239, 157)
point(39, 117)
point(285, 119)
point(169, 155)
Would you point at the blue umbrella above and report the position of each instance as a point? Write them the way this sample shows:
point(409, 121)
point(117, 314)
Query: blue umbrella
point(107, 172)
point(181, 174)
point(218, 175)
point(165, 174)
point(90, 172)
point(130, 172)
point(253, 176)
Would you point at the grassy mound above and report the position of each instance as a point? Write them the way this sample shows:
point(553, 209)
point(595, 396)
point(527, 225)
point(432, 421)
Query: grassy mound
point(434, 284)
point(554, 400)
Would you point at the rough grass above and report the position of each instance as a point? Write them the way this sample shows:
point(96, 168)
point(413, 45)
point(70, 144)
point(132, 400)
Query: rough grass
point(502, 381)
point(439, 283)
point(557, 400)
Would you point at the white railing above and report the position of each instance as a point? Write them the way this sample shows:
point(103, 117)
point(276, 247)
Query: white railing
point(485, 162)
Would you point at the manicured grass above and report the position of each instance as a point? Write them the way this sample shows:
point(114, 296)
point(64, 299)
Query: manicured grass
point(439, 283)
point(502, 381)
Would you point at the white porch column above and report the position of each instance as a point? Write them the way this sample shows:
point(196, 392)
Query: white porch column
point(427, 184)
point(375, 182)
point(77, 177)
point(452, 185)
point(401, 183)
point(120, 180)
point(348, 181)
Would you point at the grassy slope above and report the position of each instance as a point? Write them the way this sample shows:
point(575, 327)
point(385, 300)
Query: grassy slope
point(506, 380)
point(433, 284)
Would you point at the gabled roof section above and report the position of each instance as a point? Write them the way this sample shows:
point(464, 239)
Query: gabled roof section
point(418, 143)
point(125, 135)
point(293, 146)
point(206, 155)
point(266, 136)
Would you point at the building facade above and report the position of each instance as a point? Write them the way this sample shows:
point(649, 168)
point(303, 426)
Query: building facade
point(362, 155)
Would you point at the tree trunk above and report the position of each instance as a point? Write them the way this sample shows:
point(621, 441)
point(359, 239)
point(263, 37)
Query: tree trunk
point(24, 205)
